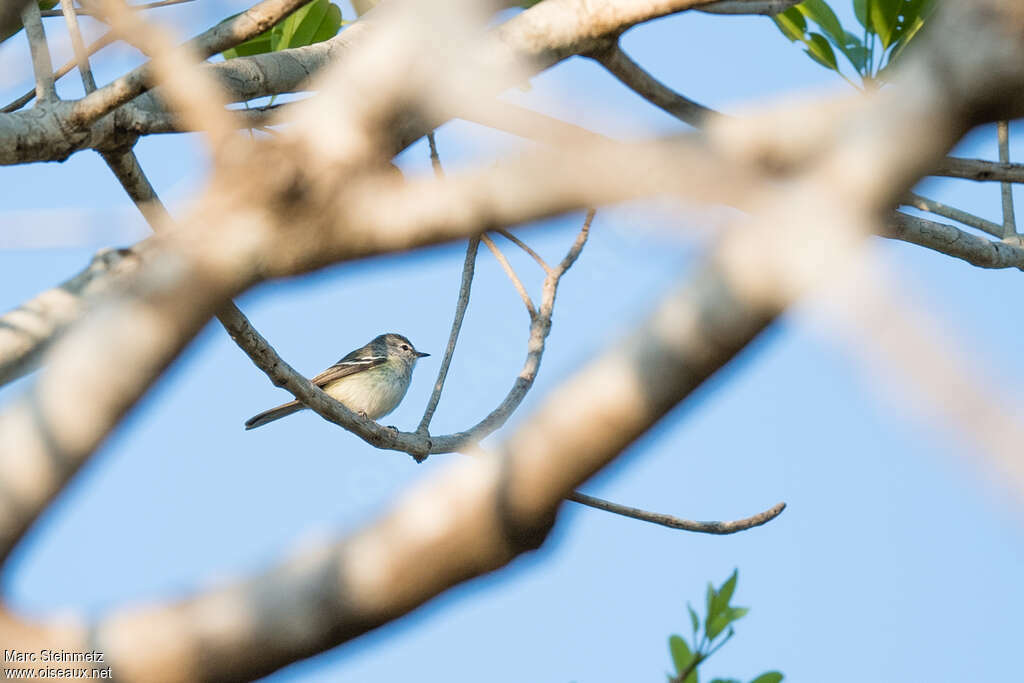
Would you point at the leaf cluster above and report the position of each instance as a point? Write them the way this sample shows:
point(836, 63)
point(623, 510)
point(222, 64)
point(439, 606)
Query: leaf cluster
point(709, 635)
point(886, 28)
point(314, 22)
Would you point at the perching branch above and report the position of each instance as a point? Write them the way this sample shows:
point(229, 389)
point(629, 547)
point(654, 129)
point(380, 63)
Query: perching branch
point(416, 444)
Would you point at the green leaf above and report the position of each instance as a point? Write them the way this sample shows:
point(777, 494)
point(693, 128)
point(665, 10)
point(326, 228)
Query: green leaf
point(735, 613)
point(820, 51)
point(728, 588)
point(330, 25)
point(791, 23)
point(708, 601)
point(860, 10)
point(716, 625)
point(694, 619)
point(822, 14)
point(253, 46)
point(911, 12)
point(725, 680)
point(855, 52)
point(904, 40)
point(768, 677)
point(298, 29)
point(720, 621)
point(681, 654)
point(884, 15)
point(724, 595)
point(314, 22)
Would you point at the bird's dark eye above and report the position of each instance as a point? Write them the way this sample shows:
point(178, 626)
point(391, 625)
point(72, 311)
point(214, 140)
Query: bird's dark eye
point(405, 347)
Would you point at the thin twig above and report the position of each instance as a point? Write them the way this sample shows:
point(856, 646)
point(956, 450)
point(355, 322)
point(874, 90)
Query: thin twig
point(41, 64)
point(720, 528)
point(468, 269)
point(598, 503)
point(88, 82)
point(435, 159)
point(940, 209)
point(525, 247)
point(81, 11)
point(507, 267)
point(577, 246)
point(979, 169)
point(1009, 221)
point(100, 43)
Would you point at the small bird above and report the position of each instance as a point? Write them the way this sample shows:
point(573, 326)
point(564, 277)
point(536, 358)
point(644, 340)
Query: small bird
point(372, 380)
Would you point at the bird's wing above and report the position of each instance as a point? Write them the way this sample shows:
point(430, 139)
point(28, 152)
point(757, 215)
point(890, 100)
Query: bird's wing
point(349, 365)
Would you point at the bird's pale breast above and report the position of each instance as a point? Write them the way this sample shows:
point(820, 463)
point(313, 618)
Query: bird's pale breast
point(375, 392)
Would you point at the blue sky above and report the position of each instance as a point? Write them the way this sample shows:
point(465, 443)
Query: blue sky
point(897, 559)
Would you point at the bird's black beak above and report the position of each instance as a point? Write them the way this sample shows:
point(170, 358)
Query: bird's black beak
point(420, 354)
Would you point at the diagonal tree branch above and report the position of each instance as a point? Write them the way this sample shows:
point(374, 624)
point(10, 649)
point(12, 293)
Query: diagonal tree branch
point(511, 273)
point(940, 209)
point(29, 330)
point(634, 77)
point(717, 528)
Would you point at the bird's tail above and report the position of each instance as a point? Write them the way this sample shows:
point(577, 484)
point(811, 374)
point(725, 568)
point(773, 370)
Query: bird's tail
point(273, 414)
